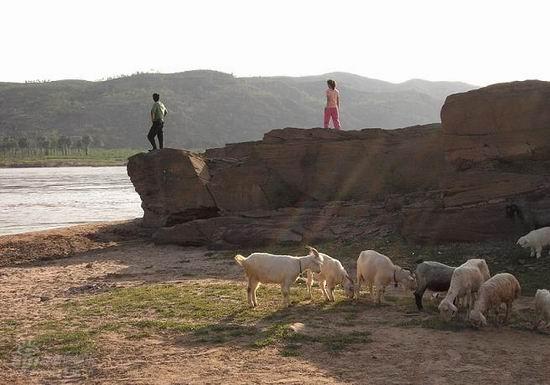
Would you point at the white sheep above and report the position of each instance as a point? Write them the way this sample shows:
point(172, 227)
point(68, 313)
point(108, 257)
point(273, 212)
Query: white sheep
point(281, 269)
point(465, 282)
point(332, 274)
point(536, 240)
point(542, 307)
point(502, 288)
point(378, 270)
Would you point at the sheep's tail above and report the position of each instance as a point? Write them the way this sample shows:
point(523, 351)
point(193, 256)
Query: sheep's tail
point(240, 259)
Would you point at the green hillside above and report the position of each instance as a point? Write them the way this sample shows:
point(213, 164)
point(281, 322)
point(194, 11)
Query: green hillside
point(208, 108)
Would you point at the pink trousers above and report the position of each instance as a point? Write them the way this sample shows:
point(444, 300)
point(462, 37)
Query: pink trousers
point(332, 112)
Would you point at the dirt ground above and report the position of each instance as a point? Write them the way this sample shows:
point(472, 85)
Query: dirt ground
point(402, 345)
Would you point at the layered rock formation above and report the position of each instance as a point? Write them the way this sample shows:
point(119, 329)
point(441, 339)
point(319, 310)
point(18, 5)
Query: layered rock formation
point(482, 175)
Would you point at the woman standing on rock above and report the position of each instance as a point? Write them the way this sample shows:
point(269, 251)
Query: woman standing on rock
point(333, 104)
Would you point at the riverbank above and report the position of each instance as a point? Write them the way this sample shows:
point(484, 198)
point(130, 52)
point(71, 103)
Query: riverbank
point(95, 158)
point(36, 246)
point(101, 304)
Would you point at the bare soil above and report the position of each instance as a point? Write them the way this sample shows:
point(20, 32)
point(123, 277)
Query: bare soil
point(40, 292)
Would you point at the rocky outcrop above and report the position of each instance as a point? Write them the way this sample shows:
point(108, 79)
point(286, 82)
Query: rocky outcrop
point(481, 175)
point(172, 185)
point(502, 122)
point(289, 168)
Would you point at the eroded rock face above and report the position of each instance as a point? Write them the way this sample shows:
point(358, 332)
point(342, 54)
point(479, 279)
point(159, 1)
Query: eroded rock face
point(507, 121)
point(483, 175)
point(289, 168)
point(172, 184)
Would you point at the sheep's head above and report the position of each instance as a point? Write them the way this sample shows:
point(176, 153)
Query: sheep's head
point(349, 287)
point(317, 260)
point(523, 242)
point(477, 318)
point(447, 310)
point(406, 279)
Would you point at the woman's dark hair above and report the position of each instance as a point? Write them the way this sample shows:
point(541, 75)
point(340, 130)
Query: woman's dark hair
point(156, 97)
point(331, 83)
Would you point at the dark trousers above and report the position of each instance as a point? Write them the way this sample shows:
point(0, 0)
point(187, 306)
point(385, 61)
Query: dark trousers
point(156, 130)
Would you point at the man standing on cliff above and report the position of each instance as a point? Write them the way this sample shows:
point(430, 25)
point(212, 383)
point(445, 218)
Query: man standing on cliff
point(158, 112)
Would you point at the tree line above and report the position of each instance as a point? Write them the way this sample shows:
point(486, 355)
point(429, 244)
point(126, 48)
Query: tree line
point(47, 145)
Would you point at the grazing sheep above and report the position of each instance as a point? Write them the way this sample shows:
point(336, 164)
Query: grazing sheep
point(536, 240)
point(502, 288)
point(281, 269)
point(376, 269)
point(465, 282)
point(542, 307)
point(332, 273)
point(432, 276)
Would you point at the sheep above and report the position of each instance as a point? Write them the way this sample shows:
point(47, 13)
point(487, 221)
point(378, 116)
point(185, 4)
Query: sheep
point(542, 307)
point(465, 282)
point(502, 288)
point(332, 273)
point(377, 269)
point(536, 240)
point(432, 276)
point(281, 269)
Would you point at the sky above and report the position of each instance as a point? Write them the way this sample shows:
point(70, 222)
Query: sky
point(479, 42)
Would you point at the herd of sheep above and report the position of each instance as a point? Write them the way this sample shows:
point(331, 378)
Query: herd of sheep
point(468, 286)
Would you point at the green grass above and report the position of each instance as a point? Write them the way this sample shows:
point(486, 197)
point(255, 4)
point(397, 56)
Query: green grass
point(73, 342)
point(8, 330)
point(291, 341)
point(436, 323)
point(216, 313)
point(95, 157)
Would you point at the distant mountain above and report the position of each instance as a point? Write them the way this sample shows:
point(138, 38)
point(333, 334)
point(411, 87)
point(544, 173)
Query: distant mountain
point(208, 108)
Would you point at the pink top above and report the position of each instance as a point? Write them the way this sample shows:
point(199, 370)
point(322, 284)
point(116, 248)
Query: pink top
point(332, 97)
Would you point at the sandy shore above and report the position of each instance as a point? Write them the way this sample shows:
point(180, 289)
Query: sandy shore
point(100, 304)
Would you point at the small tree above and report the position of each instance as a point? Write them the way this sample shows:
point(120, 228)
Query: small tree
point(78, 144)
point(44, 145)
point(23, 144)
point(86, 141)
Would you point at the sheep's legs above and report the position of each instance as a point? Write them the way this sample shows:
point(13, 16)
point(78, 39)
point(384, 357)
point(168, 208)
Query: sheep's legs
point(371, 291)
point(539, 252)
point(251, 291)
point(469, 303)
point(418, 298)
point(380, 294)
point(309, 283)
point(507, 316)
point(323, 285)
point(285, 289)
point(331, 293)
point(358, 286)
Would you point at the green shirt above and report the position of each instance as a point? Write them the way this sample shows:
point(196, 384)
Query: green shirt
point(158, 111)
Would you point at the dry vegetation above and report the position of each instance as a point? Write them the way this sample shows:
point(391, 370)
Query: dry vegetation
point(119, 310)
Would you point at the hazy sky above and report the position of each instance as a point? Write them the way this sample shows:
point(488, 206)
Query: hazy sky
point(479, 42)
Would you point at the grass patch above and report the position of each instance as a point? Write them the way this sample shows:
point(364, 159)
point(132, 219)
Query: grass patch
point(8, 331)
point(221, 333)
point(216, 313)
point(435, 323)
point(66, 342)
point(164, 325)
point(95, 157)
point(291, 342)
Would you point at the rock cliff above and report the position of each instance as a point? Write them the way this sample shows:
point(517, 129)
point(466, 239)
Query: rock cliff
point(482, 174)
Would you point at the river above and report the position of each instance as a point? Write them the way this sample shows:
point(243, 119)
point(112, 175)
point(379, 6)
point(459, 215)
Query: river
point(43, 198)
